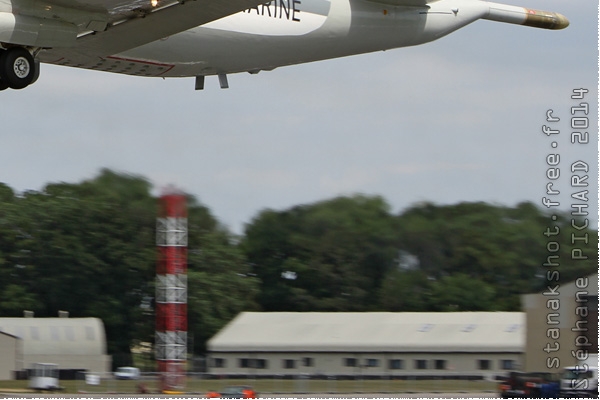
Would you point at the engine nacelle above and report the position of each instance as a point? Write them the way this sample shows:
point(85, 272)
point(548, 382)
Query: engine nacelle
point(25, 30)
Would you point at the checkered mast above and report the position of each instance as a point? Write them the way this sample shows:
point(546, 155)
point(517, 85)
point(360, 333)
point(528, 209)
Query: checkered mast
point(171, 291)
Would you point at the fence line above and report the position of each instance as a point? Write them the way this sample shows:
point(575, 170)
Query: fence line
point(200, 383)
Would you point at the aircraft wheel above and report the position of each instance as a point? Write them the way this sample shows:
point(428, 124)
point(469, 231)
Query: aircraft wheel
point(3, 83)
point(17, 67)
point(36, 71)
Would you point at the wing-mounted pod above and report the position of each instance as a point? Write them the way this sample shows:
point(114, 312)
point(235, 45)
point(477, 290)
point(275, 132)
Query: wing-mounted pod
point(526, 16)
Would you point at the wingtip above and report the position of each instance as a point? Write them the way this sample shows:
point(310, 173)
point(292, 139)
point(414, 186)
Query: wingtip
point(545, 19)
point(562, 21)
point(526, 16)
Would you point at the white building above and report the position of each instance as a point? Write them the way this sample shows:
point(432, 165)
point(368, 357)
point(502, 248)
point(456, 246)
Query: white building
point(483, 344)
point(10, 350)
point(72, 343)
point(561, 320)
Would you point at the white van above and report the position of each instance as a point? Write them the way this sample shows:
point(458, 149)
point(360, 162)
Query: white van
point(44, 376)
point(127, 373)
point(580, 380)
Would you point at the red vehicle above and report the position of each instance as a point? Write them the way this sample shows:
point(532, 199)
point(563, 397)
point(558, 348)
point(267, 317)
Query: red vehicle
point(234, 392)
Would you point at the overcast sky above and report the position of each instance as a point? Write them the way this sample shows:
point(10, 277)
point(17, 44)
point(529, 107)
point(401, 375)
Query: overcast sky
point(459, 119)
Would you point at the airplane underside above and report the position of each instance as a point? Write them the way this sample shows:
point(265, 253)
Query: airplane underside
point(263, 37)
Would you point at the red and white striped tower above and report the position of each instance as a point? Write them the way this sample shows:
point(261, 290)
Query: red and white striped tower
point(171, 291)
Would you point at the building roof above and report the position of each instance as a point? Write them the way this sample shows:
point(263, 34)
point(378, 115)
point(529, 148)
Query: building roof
point(372, 332)
point(52, 336)
point(8, 335)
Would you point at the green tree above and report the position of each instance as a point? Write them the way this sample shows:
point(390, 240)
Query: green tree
point(14, 296)
point(462, 293)
point(89, 248)
point(500, 246)
point(405, 291)
point(330, 255)
point(220, 286)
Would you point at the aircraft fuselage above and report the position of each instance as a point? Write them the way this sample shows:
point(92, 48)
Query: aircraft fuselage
point(263, 37)
point(287, 32)
point(349, 27)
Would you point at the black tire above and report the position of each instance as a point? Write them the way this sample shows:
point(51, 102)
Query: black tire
point(17, 68)
point(3, 83)
point(36, 71)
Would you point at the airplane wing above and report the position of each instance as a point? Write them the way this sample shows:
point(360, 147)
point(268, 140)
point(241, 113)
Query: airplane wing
point(108, 27)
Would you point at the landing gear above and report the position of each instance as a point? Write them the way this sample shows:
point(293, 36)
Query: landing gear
point(17, 68)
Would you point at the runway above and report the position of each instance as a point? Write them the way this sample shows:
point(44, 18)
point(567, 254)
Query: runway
point(424, 395)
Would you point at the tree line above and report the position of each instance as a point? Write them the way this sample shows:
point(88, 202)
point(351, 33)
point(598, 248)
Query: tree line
point(89, 248)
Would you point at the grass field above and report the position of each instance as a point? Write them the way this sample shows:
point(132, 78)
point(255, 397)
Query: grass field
point(282, 386)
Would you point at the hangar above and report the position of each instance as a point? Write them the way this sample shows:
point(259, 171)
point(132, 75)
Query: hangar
point(72, 343)
point(484, 344)
point(10, 350)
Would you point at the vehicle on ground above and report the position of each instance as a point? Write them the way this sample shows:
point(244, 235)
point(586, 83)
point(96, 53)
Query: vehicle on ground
point(530, 385)
point(44, 376)
point(579, 381)
point(235, 392)
point(127, 373)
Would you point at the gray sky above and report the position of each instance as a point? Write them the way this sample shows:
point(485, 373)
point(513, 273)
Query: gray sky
point(455, 120)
